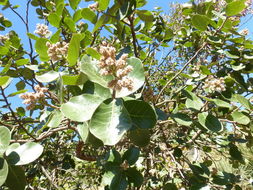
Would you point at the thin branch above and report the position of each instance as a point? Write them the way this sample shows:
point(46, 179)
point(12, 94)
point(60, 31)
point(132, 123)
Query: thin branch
point(131, 20)
point(14, 115)
point(188, 62)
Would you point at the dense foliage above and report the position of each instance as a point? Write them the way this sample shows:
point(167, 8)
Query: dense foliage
point(118, 97)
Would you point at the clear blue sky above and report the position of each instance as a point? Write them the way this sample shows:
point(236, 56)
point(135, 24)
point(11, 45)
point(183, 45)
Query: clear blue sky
point(19, 27)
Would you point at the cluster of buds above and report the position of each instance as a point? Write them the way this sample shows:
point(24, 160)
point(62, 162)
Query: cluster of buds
point(244, 32)
point(219, 5)
point(215, 84)
point(57, 51)
point(148, 95)
point(42, 30)
point(93, 7)
point(118, 68)
point(248, 8)
point(30, 98)
point(3, 38)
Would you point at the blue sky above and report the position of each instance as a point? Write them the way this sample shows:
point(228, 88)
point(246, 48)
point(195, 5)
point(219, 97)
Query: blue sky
point(19, 27)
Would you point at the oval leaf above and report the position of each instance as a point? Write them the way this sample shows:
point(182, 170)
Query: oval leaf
point(83, 130)
point(110, 122)
point(209, 122)
point(5, 137)
point(16, 178)
point(141, 113)
point(240, 117)
point(200, 21)
point(25, 154)
point(74, 48)
point(235, 7)
point(81, 108)
point(3, 171)
point(48, 77)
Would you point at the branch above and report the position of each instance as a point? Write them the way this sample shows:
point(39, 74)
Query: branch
point(14, 115)
point(188, 62)
point(131, 20)
point(45, 135)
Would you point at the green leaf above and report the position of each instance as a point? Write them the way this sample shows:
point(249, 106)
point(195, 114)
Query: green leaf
point(137, 75)
point(240, 118)
point(93, 53)
point(193, 101)
point(119, 182)
point(5, 137)
point(90, 68)
point(140, 137)
point(243, 101)
point(4, 80)
point(70, 23)
point(41, 49)
point(234, 152)
point(89, 15)
point(83, 130)
point(32, 36)
point(74, 80)
point(235, 7)
point(131, 155)
point(55, 37)
point(3, 50)
point(16, 93)
point(231, 55)
point(54, 19)
point(96, 89)
point(3, 2)
point(222, 103)
point(25, 154)
point(48, 77)
point(81, 108)
point(74, 3)
point(74, 48)
point(3, 171)
point(22, 62)
point(200, 21)
point(145, 15)
point(134, 176)
point(16, 179)
point(20, 85)
point(101, 21)
point(55, 119)
point(77, 15)
point(107, 178)
point(171, 186)
point(182, 119)
point(103, 4)
point(210, 122)
point(7, 83)
point(141, 113)
point(110, 122)
point(59, 8)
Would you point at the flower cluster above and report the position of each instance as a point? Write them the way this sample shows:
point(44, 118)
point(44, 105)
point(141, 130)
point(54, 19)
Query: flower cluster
point(93, 7)
point(244, 32)
point(30, 98)
point(215, 84)
point(118, 68)
point(248, 8)
point(42, 30)
point(3, 38)
point(57, 51)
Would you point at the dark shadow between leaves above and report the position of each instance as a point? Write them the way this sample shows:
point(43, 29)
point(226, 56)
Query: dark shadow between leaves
point(13, 158)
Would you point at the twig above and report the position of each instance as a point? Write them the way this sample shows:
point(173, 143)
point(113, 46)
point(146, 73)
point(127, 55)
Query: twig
point(44, 171)
point(131, 20)
point(14, 115)
point(188, 62)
